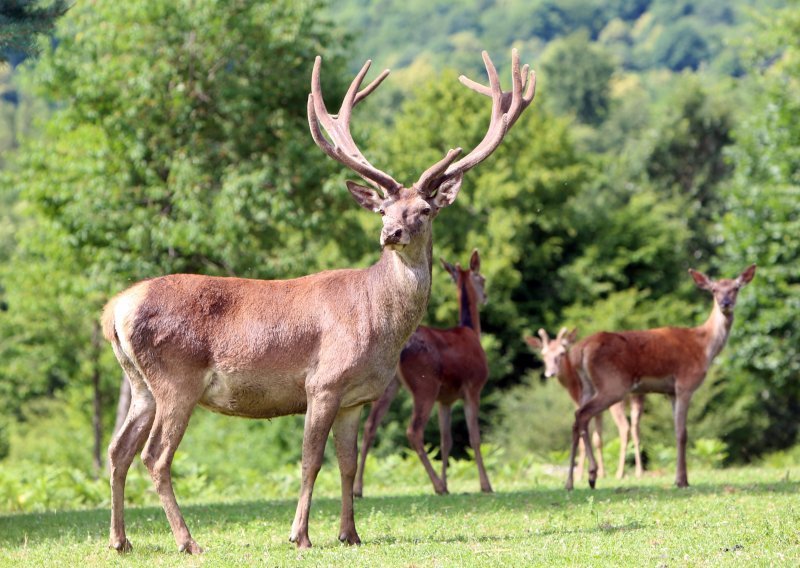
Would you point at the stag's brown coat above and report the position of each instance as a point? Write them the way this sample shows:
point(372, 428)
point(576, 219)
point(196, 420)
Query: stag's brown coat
point(323, 344)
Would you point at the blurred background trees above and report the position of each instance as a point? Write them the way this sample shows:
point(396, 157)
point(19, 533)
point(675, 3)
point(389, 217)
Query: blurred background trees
point(157, 137)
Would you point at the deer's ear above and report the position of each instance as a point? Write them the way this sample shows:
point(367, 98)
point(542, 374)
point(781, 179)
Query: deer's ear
point(534, 342)
point(450, 269)
point(447, 192)
point(571, 336)
point(702, 281)
point(746, 276)
point(367, 197)
point(475, 261)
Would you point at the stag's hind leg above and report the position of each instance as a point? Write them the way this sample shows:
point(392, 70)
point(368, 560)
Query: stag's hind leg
point(175, 401)
point(127, 442)
point(471, 403)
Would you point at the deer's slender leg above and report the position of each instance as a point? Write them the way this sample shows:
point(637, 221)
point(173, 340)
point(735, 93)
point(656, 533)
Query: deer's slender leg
point(422, 411)
point(128, 441)
point(597, 443)
point(446, 437)
point(597, 404)
point(345, 436)
point(680, 410)
point(637, 408)
point(320, 413)
point(471, 404)
point(173, 410)
point(581, 460)
point(618, 414)
point(376, 414)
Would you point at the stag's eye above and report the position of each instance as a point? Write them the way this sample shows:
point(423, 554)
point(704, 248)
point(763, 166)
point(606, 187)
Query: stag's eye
point(382, 211)
point(426, 211)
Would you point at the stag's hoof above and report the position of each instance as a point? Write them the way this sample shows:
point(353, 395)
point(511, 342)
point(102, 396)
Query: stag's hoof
point(350, 538)
point(592, 482)
point(190, 547)
point(682, 484)
point(302, 541)
point(123, 546)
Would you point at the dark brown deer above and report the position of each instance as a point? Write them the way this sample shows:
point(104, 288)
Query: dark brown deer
point(440, 365)
point(323, 344)
point(669, 360)
point(557, 364)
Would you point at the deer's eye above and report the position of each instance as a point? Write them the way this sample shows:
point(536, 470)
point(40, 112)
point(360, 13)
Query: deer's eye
point(382, 211)
point(426, 211)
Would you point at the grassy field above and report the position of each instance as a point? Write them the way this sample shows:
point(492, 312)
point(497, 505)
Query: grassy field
point(733, 517)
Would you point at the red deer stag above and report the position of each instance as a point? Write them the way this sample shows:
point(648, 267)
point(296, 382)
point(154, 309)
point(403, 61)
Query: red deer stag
point(440, 365)
point(669, 360)
point(557, 363)
point(323, 344)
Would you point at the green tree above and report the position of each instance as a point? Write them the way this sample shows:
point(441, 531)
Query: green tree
point(23, 21)
point(577, 74)
point(762, 225)
point(179, 143)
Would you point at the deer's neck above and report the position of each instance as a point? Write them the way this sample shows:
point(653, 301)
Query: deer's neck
point(469, 315)
point(568, 377)
point(400, 286)
point(714, 332)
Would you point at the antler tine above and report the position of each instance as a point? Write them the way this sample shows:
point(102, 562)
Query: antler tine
point(425, 184)
point(341, 146)
point(561, 333)
point(506, 109)
point(543, 335)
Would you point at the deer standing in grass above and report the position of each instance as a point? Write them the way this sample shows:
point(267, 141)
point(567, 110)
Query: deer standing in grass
point(669, 360)
point(557, 363)
point(440, 365)
point(323, 344)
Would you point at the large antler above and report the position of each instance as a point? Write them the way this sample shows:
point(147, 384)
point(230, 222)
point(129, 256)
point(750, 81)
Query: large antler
point(507, 106)
point(343, 148)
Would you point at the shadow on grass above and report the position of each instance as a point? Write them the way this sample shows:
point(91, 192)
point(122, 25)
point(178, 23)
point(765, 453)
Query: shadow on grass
point(19, 530)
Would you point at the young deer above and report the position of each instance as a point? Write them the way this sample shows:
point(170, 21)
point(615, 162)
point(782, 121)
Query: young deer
point(440, 365)
point(669, 360)
point(323, 344)
point(557, 363)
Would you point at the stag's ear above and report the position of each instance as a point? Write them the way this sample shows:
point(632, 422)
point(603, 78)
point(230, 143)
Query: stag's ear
point(534, 342)
point(702, 281)
point(367, 197)
point(571, 336)
point(447, 192)
point(475, 261)
point(450, 269)
point(746, 276)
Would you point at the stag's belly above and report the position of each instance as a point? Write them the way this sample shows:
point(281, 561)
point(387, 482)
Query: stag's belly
point(253, 395)
point(663, 385)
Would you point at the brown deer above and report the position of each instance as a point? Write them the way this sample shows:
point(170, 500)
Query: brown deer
point(669, 360)
point(323, 344)
point(557, 364)
point(440, 365)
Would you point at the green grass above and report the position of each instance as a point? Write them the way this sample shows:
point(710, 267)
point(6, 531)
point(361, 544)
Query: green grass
point(734, 517)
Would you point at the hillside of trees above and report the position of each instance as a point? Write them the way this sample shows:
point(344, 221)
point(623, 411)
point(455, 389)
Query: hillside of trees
point(663, 137)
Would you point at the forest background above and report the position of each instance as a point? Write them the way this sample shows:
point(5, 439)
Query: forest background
point(153, 137)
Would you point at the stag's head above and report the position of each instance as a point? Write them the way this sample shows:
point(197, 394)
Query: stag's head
point(552, 351)
point(409, 211)
point(470, 279)
point(724, 290)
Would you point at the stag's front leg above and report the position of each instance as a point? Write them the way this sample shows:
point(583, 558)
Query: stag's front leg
point(320, 413)
point(680, 408)
point(345, 436)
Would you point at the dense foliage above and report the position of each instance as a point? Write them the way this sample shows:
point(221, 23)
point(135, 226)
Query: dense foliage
point(172, 136)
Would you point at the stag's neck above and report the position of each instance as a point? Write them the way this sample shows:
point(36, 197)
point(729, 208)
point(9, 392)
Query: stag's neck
point(469, 315)
point(714, 332)
point(400, 283)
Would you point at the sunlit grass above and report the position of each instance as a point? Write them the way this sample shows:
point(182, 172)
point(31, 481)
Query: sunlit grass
point(744, 517)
